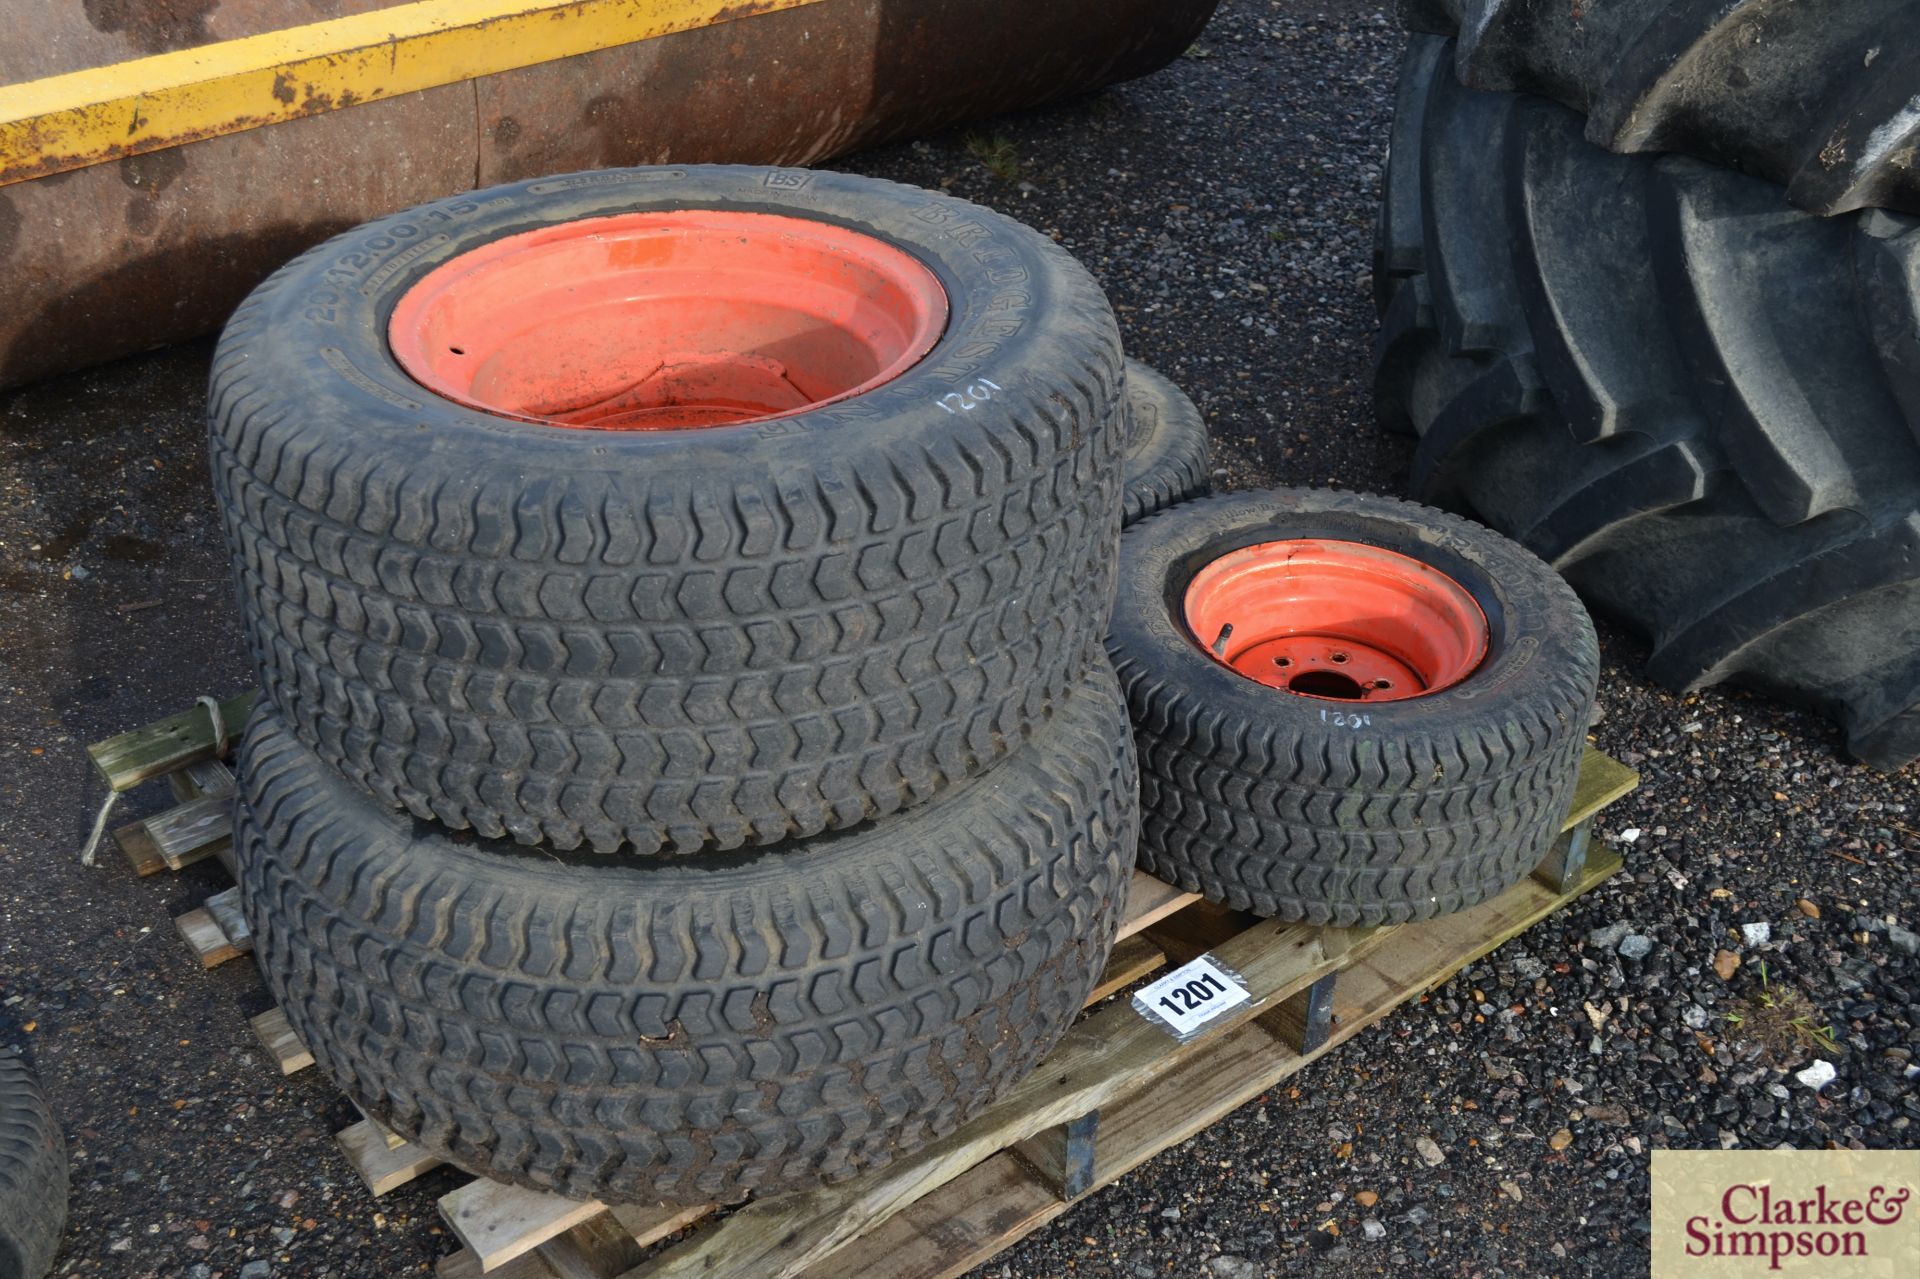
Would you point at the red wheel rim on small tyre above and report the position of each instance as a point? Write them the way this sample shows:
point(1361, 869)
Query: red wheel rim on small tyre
point(1342, 621)
point(668, 320)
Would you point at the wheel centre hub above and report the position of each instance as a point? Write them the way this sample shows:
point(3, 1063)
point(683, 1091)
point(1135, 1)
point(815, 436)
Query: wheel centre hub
point(668, 320)
point(1342, 621)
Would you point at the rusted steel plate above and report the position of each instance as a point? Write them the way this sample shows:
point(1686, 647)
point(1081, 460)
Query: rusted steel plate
point(62, 122)
point(73, 35)
point(120, 257)
point(111, 259)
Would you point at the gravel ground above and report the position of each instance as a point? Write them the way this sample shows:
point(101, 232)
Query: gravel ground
point(1499, 1127)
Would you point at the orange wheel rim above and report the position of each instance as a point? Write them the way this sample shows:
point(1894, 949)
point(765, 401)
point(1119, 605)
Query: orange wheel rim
point(668, 320)
point(1342, 621)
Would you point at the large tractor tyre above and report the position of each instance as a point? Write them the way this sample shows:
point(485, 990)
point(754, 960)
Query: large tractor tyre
point(1814, 94)
point(697, 1029)
point(819, 525)
point(1168, 459)
point(1699, 404)
point(1350, 709)
point(33, 1175)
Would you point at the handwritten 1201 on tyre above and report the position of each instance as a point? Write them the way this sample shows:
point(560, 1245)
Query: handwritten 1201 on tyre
point(1350, 709)
point(670, 510)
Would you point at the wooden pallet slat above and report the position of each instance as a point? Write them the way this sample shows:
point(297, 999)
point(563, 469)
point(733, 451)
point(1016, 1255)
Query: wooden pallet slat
point(164, 745)
point(224, 906)
point(1150, 900)
point(277, 1036)
point(200, 778)
point(217, 931)
point(382, 1162)
point(138, 848)
point(1113, 1051)
point(978, 1214)
point(191, 831)
point(464, 1265)
point(180, 836)
point(205, 939)
point(498, 1222)
point(1602, 780)
point(1133, 957)
point(592, 1250)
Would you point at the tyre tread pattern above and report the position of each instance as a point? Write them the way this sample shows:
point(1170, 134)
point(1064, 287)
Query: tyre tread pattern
point(674, 663)
point(1700, 404)
point(701, 1029)
point(33, 1174)
point(1816, 95)
point(1168, 456)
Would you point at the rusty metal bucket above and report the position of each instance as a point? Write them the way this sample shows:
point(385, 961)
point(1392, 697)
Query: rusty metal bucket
point(120, 252)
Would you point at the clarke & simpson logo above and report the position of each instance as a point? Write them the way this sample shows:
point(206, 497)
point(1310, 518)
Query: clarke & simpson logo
point(1833, 1213)
point(1752, 1223)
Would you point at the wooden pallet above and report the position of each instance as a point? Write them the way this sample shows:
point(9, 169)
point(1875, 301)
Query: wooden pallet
point(1117, 1090)
point(181, 750)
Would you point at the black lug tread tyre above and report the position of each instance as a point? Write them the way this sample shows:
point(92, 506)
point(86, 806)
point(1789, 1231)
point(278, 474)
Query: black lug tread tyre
point(671, 641)
point(692, 1029)
point(1168, 459)
point(1813, 94)
point(33, 1174)
point(1699, 404)
point(1267, 801)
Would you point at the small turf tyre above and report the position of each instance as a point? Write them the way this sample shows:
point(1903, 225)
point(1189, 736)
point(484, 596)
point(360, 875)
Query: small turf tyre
point(699, 1029)
point(33, 1175)
point(667, 640)
point(1813, 94)
point(1289, 806)
point(1700, 405)
point(1168, 459)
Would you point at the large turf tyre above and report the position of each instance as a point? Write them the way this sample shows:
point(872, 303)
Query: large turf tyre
point(1814, 94)
point(1699, 404)
point(1168, 459)
point(33, 1175)
point(692, 1029)
point(672, 640)
point(1346, 812)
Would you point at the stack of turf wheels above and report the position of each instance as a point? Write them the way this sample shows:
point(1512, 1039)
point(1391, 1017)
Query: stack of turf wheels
point(1649, 279)
point(689, 769)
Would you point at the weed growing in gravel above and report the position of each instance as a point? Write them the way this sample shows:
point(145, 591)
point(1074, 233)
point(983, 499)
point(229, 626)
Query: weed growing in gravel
point(996, 153)
point(1782, 1022)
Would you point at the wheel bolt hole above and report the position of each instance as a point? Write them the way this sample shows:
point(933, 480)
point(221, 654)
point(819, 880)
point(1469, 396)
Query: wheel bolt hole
point(457, 350)
point(1339, 657)
point(1383, 683)
point(1283, 661)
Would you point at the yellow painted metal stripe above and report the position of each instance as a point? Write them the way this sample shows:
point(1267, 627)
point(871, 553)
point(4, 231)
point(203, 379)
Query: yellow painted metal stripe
point(86, 117)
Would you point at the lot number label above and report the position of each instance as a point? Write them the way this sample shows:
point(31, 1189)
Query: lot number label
point(1186, 999)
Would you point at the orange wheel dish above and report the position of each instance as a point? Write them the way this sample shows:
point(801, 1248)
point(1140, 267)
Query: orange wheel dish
point(1337, 620)
point(659, 321)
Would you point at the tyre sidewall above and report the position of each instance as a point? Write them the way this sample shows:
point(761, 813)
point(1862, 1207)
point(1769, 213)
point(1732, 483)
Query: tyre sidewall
point(1539, 639)
point(1167, 447)
point(325, 328)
